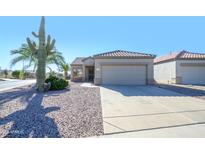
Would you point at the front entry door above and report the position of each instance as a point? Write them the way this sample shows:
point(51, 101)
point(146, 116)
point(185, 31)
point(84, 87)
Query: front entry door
point(90, 74)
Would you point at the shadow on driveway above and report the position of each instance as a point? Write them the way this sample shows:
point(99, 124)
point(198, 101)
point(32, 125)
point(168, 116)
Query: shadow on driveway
point(189, 91)
point(141, 91)
point(156, 90)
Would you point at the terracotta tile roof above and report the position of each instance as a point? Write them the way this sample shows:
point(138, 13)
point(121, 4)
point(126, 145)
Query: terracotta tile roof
point(191, 55)
point(179, 55)
point(122, 53)
point(78, 61)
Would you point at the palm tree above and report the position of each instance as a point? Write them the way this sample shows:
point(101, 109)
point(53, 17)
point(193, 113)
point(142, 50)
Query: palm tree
point(25, 54)
point(65, 68)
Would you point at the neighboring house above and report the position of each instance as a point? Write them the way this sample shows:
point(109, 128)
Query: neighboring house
point(30, 74)
point(117, 68)
point(180, 67)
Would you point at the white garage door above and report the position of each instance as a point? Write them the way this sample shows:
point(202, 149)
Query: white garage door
point(193, 74)
point(124, 75)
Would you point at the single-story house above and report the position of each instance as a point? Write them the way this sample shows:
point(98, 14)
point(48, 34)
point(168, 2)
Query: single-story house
point(116, 67)
point(180, 67)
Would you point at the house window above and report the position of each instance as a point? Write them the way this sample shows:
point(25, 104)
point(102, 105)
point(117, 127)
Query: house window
point(77, 72)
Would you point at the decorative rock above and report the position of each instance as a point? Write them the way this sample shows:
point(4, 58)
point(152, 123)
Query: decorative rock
point(47, 86)
point(64, 113)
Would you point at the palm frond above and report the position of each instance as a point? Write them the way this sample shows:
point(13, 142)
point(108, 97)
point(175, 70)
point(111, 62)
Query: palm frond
point(13, 52)
point(64, 66)
point(55, 58)
point(24, 53)
point(35, 66)
point(15, 60)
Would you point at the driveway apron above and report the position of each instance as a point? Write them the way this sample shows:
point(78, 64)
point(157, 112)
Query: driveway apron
point(141, 108)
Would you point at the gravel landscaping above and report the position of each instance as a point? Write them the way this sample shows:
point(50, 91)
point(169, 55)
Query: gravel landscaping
point(67, 113)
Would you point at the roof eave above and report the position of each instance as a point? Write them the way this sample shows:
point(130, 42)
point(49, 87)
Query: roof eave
point(123, 57)
point(76, 64)
point(174, 59)
point(190, 58)
point(90, 57)
point(164, 61)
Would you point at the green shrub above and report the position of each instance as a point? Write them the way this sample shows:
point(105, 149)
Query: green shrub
point(56, 83)
point(16, 74)
point(51, 78)
point(22, 75)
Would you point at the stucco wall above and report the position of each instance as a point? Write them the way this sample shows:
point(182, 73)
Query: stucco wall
point(165, 72)
point(100, 62)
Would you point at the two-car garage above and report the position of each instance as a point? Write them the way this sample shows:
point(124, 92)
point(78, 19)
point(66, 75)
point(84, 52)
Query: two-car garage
point(124, 74)
point(192, 73)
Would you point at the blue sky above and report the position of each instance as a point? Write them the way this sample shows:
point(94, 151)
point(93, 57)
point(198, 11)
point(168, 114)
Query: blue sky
point(85, 36)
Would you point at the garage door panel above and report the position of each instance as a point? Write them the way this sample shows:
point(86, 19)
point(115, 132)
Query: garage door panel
point(124, 75)
point(193, 74)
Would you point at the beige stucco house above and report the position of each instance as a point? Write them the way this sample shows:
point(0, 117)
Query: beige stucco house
point(180, 67)
point(116, 67)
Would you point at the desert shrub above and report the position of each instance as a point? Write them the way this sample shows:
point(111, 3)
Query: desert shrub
point(16, 74)
point(56, 83)
point(51, 78)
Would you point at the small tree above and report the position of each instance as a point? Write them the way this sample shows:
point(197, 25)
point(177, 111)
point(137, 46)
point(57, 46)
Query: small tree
point(65, 68)
point(22, 75)
point(16, 74)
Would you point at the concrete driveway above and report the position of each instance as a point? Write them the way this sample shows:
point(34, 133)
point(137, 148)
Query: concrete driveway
point(140, 110)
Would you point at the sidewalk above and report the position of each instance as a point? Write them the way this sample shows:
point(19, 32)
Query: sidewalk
point(8, 84)
point(189, 131)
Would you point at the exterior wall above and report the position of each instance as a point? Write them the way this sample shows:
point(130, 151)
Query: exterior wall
point(83, 75)
point(100, 62)
point(191, 71)
point(165, 72)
